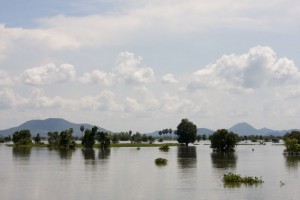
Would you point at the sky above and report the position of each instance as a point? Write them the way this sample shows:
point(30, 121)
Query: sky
point(144, 65)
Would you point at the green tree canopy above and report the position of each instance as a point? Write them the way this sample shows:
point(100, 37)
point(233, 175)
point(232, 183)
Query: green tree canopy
point(223, 141)
point(103, 139)
point(186, 132)
point(62, 140)
point(292, 135)
point(88, 139)
point(22, 137)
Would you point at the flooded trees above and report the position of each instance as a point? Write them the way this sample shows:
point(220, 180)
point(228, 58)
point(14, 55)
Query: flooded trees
point(186, 132)
point(22, 137)
point(223, 141)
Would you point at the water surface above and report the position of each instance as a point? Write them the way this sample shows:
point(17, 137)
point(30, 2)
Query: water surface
point(127, 173)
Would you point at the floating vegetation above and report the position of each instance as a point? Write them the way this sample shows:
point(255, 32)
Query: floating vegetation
point(231, 178)
point(161, 161)
point(164, 147)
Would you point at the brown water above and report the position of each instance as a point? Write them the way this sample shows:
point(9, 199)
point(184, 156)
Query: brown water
point(127, 173)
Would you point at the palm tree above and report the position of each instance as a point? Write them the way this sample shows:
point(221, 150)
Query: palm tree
point(82, 129)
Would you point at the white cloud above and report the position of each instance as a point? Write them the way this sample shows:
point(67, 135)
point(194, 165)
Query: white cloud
point(5, 79)
point(48, 74)
point(136, 19)
point(127, 70)
point(255, 69)
point(9, 99)
point(169, 78)
point(99, 77)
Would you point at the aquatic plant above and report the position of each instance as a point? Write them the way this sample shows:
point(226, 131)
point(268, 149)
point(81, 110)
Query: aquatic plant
point(237, 178)
point(161, 161)
point(164, 147)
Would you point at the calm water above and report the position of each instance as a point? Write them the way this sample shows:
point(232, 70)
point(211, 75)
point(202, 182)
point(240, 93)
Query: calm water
point(128, 173)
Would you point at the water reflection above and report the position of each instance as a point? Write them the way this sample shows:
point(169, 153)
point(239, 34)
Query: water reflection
point(88, 154)
point(104, 153)
point(187, 156)
point(292, 161)
point(224, 160)
point(21, 152)
point(65, 153)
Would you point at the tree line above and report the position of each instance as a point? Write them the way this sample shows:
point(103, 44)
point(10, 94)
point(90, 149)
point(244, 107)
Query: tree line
point(222, 140)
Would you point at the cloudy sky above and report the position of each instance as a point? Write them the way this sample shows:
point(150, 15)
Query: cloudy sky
point(144, 65)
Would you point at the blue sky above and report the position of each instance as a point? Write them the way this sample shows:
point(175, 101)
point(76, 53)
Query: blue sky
point(144, 65)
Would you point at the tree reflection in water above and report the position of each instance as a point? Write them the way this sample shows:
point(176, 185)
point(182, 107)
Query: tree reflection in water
point(104, 153)
point(65, 153)
point(224, 160)
point(88, 154)
point(187, 156)
point(22, 153)
point(292, 161)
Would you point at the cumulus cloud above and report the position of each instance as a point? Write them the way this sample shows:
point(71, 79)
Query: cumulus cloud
point(99, 77)
point(48, 74)
point(101, 102)
point(169, 78)
point(5, 78)
point(127, 70)
point(257, 68)
point(9, 99)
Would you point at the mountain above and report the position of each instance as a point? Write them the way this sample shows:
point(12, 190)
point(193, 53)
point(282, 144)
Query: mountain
point(244, 129)
point(48, 125)
point(266, 131)
point(204, 131)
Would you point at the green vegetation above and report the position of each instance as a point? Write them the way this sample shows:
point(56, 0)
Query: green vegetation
point(63, 140)
point(37, 139)
point(22, 137)
point(164, 147)
point(292, 142)
point(231, 178)
point(161, 161)
point(88, 139)
point(103, 139)
point(186, 132)
point(223, 141)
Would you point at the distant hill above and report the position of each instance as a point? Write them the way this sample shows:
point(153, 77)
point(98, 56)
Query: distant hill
point(200, 131)
point(204, 131)
point(48, 125)
point(244, 129)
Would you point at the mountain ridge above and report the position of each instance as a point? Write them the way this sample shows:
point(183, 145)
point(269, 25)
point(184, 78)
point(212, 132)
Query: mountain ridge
point(59, 124)
point(48, 125)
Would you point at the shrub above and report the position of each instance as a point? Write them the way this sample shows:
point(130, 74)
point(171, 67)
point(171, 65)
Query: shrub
point(237, 178)
point(164, 147)
point(161, 161)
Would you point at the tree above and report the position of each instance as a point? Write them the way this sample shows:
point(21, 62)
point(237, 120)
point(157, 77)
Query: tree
point(115, 138)
point(198, 138)
point(62, 140)
point(66, 140)
point(82, 129)
point(53, 138)
point(22, 137)
point(88, 139)
point(37, 139)
point(292, 135)
point(103, 139)
point(223, 141)
point(186, 132)
point(170, 131)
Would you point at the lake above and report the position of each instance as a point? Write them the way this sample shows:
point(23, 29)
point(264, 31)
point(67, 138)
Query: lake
point(127, 173)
